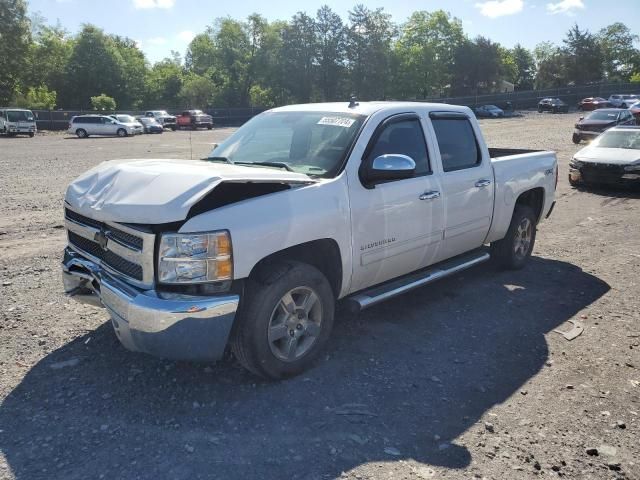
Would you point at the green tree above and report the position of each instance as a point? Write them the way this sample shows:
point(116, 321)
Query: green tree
point(93, 66)
point(197, 91)
point(525, 68)
point(163, 84)
point(300, 50)
point(583, 56)
point(103, 102)
point(369, 38)
point(619, 55)
point(424, 53)
point(15, 36)
point(635, 78)
point(41, 98)
point(201, 55)
point(330, 53)
point(48, 56)
point(133, 70)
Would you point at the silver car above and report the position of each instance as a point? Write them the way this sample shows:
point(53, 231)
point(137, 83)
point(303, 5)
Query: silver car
point(85, 125)
point(623, 100)
point(129, 120)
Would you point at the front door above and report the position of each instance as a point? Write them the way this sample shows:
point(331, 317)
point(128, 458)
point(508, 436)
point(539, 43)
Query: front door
point(467, 184)
point(397, 225)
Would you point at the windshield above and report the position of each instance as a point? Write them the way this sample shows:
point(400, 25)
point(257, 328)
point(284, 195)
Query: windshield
point(19, 116)
point(599, 115)
point(125, 118)
point(314, 143)
point(491, 107)
point(619, 139)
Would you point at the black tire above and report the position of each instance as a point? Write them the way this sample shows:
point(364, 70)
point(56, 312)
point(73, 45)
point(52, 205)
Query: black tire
point(539, 110)
point(575, 139)
point(250, 341)
point(174, 128)
point(32, 134)
point(509, 253)
point(122, 132)
point(81, 133)
point(209, 127)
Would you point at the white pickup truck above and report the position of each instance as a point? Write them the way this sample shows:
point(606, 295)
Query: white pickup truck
point(302, 206)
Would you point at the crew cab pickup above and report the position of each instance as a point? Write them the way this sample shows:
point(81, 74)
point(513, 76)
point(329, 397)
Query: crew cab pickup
point(163, 118)
point(302, 206)
point(194, 119)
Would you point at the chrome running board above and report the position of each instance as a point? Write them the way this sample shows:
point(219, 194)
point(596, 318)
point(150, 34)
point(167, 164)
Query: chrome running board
point(367, 298)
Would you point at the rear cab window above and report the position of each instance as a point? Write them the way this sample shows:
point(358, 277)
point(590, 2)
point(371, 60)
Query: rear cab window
point(457, 141)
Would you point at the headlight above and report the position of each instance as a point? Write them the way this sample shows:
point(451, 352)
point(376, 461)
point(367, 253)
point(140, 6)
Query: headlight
point(195, 258)
point(575, 163)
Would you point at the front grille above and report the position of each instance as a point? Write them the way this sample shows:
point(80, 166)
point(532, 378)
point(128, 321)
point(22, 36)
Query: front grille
point(128, 251)
point(601, 172)
point(114, 261)
point(123, 237)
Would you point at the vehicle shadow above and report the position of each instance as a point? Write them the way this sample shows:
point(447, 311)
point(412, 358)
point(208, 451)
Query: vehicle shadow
point(402, 380)
point(613, 192)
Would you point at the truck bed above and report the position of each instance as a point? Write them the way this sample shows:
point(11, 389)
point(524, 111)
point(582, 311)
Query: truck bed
point(506, 152)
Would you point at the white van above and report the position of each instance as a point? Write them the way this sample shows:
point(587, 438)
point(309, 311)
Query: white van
point(14, 121)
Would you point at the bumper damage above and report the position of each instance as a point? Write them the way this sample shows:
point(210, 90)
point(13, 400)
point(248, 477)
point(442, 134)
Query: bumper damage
point(173, 326)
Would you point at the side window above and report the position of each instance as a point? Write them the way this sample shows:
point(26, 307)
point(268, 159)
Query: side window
point(457, 143)
point(403, 137)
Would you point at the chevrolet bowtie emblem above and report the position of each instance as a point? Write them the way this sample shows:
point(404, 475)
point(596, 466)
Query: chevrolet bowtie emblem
point(102, 239)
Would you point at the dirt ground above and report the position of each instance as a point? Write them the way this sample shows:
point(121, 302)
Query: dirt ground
point(462, 379)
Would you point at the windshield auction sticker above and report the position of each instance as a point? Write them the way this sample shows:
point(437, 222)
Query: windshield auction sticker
point(337, 121)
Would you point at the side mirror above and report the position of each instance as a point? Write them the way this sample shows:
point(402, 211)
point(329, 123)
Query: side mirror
point(388, 167)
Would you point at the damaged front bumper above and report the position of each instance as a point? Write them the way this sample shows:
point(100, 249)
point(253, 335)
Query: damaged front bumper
point(174, 326)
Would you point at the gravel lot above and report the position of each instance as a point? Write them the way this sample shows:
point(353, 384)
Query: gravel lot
point(462, 379)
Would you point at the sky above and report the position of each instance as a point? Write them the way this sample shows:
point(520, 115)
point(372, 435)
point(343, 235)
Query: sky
point(160, 26)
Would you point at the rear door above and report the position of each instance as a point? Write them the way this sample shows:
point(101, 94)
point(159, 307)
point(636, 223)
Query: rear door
point(396, 225)
point(467, 182)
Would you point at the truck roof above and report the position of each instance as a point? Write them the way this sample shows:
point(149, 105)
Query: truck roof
point(368, 108)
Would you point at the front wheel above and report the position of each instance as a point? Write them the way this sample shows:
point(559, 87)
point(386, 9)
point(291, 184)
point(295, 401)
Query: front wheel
point(122, 132)
point(174, 128)
point(32, 134)
point(513, 251)
point(576, 139)
point(285, 321)
point(209, 127)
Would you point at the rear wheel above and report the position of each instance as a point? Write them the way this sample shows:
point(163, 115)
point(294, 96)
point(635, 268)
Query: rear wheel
point(515, 248)
point(122, 132)
point(285, 321)
point(81, 133)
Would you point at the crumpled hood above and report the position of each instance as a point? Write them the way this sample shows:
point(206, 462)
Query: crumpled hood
point(159, 191)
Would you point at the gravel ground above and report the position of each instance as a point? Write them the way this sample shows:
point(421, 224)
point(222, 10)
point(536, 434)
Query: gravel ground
point(462, 379)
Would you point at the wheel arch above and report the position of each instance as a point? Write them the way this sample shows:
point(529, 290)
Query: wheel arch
point(533, 198)
point(323, 254)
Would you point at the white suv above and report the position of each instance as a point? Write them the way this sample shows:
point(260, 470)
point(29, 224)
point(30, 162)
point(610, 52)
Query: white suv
point(85, 125)
point(623, 100)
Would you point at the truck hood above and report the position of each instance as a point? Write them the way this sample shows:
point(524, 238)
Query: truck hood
point(159, 191)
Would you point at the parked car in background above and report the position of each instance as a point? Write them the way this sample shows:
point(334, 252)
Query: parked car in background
point(150, 125)
point(592, 125)
point(17, 121)
point(163, 118)
point(489, 111)
point(592, 103)
point(194, 119)
point(623, 100)
point(129, 120)
point(303, 205)
point(554, 105)
point(635, 111)
point(612, 158)
point(85, 125)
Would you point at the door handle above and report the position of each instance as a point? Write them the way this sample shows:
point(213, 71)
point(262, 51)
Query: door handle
point(430, 195)
point(483, 183)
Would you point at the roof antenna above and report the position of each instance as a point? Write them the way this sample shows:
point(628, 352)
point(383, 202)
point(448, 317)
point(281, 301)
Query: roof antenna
point(353, 102)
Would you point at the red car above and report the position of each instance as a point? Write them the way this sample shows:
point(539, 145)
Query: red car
point(194, 119)
point(593, 103)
